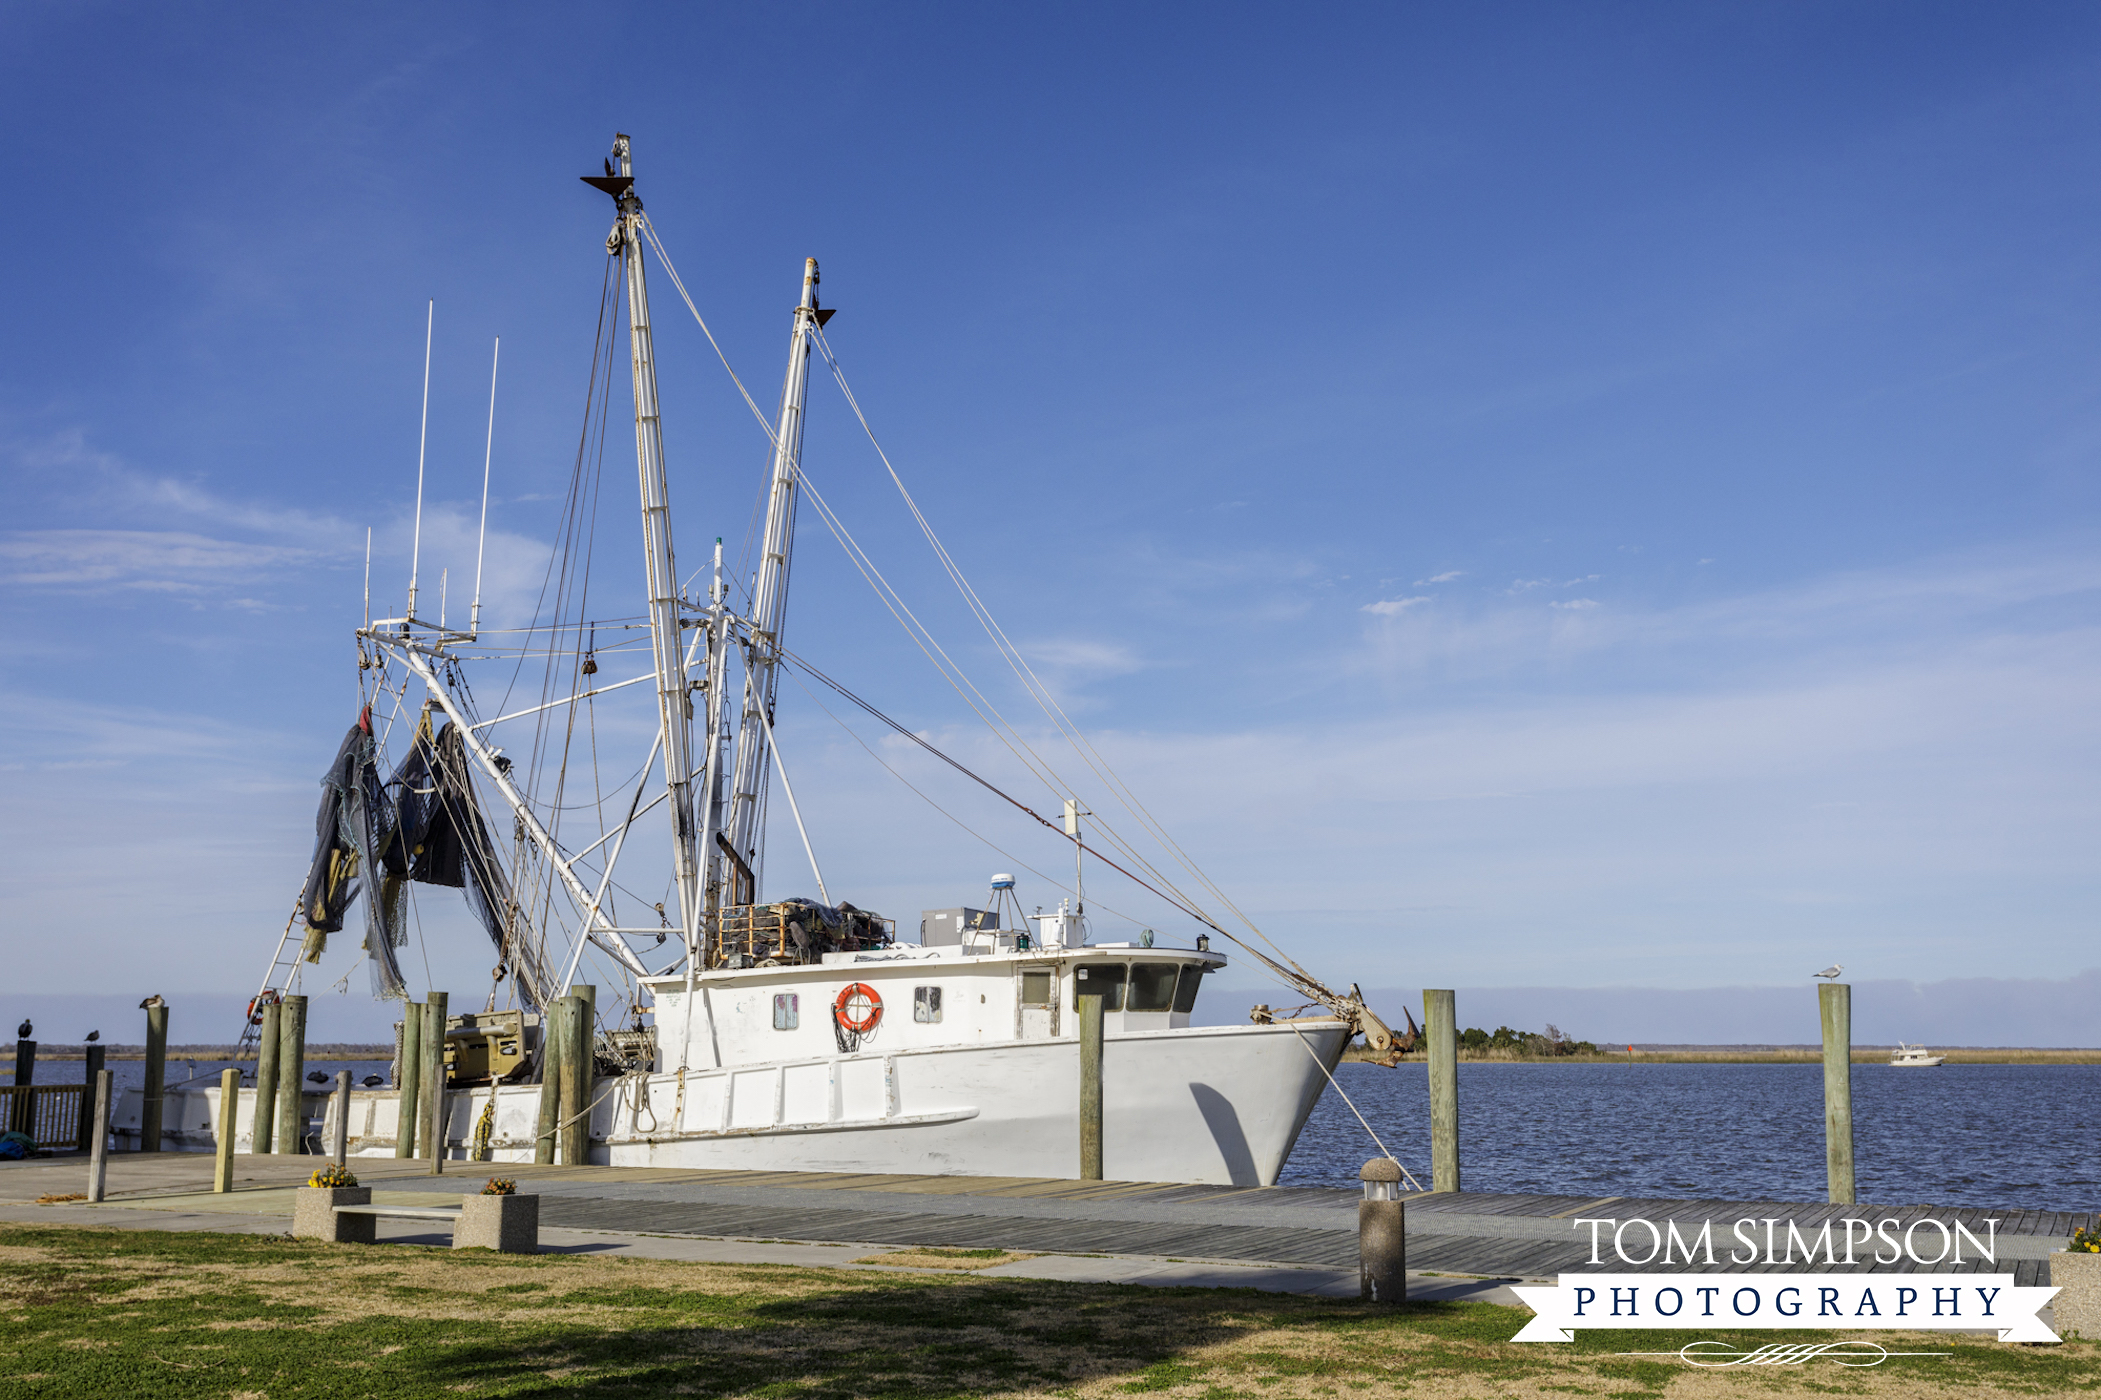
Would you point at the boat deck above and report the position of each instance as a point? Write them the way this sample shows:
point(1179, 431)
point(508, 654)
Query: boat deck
point(1462, 1233)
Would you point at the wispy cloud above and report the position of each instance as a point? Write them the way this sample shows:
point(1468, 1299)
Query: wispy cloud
point(1446, 577)
point(158, 561)
point(1393, 607)
point(181, 539)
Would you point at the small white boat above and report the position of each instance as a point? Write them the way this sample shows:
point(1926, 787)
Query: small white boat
point(1914, 1056)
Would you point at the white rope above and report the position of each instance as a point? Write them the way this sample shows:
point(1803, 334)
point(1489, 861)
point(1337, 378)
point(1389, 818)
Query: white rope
point(958, 679)
point(649, 232)
point(1383, 1150)
point(1039, 692)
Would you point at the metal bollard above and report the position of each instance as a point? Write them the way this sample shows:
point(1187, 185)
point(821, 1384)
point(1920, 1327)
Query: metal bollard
point(1382, 1233)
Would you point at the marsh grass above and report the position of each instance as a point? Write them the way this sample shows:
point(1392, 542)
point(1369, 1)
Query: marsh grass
point(112, 1313)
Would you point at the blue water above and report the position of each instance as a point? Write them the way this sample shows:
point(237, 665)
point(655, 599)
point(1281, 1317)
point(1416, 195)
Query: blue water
point(131, 1074)
point(1973, 1135)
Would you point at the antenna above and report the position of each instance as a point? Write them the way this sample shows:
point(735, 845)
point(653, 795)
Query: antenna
point(474, 618)
point(443, 574)
point(368, 578)
point(422, 438)
point(1079, 853)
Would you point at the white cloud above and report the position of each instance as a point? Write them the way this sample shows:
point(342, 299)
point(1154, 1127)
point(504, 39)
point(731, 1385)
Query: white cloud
point(1392, 607)
point(1446, 577)
point(159, 561)
point(1574, 604)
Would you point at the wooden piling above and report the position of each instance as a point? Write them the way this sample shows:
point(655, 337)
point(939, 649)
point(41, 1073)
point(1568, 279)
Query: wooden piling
point(1835, 1009)
point(22, 1119)
point(229, 1114)
point(1091, 1020)
point(551, 1077)
point(1441, 1030)
point(581, 1068)
point(105, 1090)
point(266, 1052)
point(92, 1068)
point(409, 1072)
point(434, 1080)
point(291, 1076)
point(155, 1098)
point(341, 1145)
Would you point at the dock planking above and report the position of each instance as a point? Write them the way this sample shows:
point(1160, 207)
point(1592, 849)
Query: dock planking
point(1487, 1234)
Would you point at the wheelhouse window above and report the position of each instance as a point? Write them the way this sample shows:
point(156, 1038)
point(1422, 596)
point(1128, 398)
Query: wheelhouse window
point(1104, 980)
point(1152, 987)
point(1036, 986)
point(787, 1011)
point(1185, 987)
point(926, 1004)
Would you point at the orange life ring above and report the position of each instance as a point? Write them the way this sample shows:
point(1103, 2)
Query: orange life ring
point(858, 1008)
point(267, 998)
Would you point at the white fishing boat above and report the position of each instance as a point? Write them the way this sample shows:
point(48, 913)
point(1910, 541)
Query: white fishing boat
point(737, 1028)
point(1914, 1057)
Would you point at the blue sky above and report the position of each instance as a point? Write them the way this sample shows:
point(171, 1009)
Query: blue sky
point(1532, 495)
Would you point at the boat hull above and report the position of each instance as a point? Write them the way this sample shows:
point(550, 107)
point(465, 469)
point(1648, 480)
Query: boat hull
point(1221, 1105)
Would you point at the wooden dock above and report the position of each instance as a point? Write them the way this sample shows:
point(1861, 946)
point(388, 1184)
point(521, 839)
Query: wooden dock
point(1464, 1233)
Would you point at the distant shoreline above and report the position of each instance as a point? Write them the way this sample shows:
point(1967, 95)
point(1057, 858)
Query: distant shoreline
point(1642, 1054)
point(1778, 1055)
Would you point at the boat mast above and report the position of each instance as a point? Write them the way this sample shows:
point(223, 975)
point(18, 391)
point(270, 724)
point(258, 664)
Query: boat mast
point(674, 705)
point(769, 601)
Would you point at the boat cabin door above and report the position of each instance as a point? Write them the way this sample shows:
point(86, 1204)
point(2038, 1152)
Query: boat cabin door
point(1038, 1013)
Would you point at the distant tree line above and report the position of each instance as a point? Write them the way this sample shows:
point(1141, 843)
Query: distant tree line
point(1543, 1043)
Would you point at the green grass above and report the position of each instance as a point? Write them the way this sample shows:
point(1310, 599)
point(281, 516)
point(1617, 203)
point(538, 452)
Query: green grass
point(110, 1313)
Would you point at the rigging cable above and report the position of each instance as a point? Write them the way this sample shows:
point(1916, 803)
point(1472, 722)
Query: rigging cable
point(1297, 981)
point(1088, 754)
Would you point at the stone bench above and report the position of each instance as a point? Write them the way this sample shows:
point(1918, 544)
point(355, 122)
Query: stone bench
point(346, 1215)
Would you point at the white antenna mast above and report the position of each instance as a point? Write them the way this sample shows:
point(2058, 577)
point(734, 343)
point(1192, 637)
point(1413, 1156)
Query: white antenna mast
point(488, 449)
point(368, 578)
point(422, 440)
point(1079, 854)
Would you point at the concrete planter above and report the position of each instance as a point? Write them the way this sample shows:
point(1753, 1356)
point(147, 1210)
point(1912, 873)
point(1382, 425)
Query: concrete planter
point(2078, 1307)
point(314, 1217)
point(507, 1224)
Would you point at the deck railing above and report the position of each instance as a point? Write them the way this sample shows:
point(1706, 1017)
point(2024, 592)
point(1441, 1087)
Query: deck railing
point(47, 1113)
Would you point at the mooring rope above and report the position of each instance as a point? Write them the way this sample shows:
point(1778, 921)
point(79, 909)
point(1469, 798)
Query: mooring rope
point(1383, 1150)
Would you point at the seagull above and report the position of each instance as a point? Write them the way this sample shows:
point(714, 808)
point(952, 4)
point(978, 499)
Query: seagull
point(94, 1036)
point(23, 1031)
point(154, 1000)
point(1833, 970)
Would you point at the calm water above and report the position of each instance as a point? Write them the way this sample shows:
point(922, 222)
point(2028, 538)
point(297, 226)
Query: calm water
point(131, 1074)
point(1982, 1135)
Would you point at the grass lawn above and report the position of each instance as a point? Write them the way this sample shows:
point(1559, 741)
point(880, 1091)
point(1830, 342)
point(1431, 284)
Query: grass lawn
point(115, 1313)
